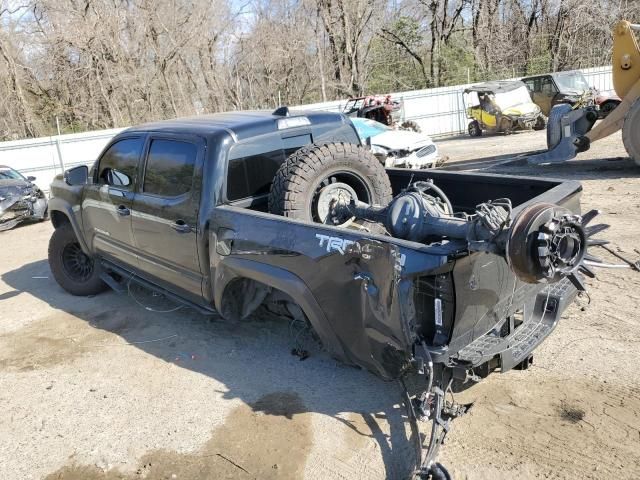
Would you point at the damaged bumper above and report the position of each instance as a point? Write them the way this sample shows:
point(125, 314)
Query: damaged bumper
point(425, 157)
point(17, 205)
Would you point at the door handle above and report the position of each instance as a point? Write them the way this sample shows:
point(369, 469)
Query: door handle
point(181, 226)
point(123, 211)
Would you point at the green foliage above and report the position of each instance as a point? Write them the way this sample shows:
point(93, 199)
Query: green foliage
point(456, 61)
point(393, 67)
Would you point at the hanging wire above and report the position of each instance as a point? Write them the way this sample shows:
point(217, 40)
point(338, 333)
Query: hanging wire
point(146, 307)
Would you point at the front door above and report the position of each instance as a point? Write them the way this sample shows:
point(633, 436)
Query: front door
point(165, 213)
point(106, 205)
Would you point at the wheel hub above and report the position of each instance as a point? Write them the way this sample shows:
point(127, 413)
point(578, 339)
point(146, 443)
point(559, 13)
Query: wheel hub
point(76, 263)
point(329, 197)
point(561, 245)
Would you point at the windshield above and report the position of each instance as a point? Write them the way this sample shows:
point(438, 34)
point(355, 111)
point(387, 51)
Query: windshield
point(10, 174)
point(368, 128)
point(572, 81)
point(506, 100)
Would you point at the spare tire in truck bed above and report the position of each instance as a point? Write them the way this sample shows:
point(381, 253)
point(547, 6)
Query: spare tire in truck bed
point(310, 178)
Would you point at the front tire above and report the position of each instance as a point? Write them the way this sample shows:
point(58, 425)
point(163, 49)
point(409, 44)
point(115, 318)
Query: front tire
point(74, 271)
point(541, 122)
point(474, 129)
point(411, 126)
point(607, 107)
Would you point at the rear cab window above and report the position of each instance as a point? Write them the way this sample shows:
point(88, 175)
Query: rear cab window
point(252, 166)
point(253, 163)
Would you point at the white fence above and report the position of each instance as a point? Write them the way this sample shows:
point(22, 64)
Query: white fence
point(46, 157)
point(438, 111)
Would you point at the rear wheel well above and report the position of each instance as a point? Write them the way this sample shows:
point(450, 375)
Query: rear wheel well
point(243, 296)
point(58, 218)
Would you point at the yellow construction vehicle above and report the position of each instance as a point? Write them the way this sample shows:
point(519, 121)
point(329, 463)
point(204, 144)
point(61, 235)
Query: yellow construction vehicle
point(571, 130)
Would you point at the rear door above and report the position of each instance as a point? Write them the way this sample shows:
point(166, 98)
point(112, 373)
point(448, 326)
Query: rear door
point(106, 206)
point(165, 212)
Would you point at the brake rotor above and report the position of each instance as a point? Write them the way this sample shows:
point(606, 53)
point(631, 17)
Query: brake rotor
point(546, 244)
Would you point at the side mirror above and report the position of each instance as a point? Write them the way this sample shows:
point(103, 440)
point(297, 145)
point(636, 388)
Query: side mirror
point(31, 178)
point(77, 175)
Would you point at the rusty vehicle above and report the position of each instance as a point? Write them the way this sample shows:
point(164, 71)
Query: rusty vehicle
point(374, 107)
point(571, 88)
point(382, 109)
point(441, 277)
point(571, 128)
point(550, 89)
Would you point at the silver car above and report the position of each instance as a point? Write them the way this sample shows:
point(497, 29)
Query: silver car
point(20, 199)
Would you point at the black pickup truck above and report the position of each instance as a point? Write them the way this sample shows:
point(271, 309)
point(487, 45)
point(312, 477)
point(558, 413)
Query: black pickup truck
point(449, 275)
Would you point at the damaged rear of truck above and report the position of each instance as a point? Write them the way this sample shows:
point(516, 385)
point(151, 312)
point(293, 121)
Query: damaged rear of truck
point(450, 311)
point(446, 276)
point(374, 299)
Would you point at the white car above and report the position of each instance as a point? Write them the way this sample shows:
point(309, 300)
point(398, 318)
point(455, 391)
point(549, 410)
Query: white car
point(397, 148)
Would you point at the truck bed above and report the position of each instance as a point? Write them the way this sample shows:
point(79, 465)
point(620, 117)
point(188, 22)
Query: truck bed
point(369, 297)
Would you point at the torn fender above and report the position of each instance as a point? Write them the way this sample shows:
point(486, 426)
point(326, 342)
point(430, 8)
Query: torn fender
point(356, 291)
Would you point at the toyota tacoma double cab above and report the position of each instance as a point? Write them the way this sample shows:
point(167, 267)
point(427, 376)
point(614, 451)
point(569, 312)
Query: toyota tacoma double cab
point(444, 276)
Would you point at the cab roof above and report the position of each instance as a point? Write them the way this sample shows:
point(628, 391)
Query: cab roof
point(242, 124)
point(496, 86)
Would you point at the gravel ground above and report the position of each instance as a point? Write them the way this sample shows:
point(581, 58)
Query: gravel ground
point(102, 388)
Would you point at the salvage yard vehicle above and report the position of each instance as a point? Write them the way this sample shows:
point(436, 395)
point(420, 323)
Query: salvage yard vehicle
point(501, 107)
point(571, 129)
point(375, 107)
point(550, 89)
point(606, 102)
point(444, 276)
point(20, 199)
point(381, 108)
point(397, 148)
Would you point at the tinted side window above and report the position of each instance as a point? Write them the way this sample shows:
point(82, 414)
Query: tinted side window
point(170, 165)
point(251, 171)
point(252, 176)
point(119, 163)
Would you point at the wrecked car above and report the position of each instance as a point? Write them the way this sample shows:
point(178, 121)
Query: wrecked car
point(442, 276)
point(570, 87)
point(397, 148)
point(20, 199)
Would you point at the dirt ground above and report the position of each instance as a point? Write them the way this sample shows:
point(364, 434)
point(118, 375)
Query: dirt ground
point(102, 388)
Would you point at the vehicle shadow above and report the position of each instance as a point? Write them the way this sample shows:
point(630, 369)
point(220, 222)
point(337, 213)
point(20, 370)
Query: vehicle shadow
point(252, 359)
